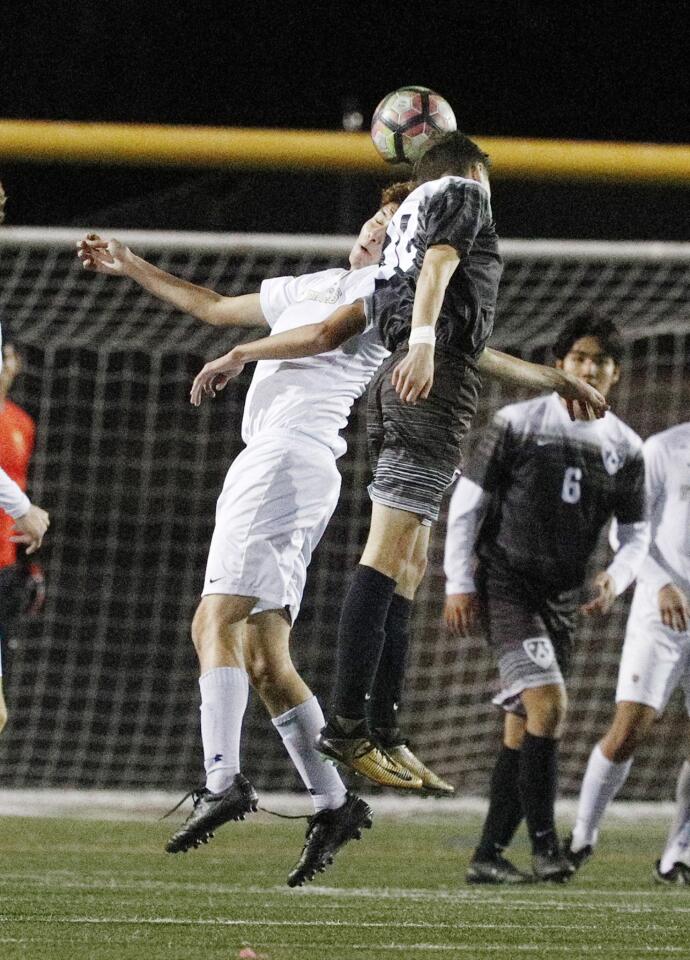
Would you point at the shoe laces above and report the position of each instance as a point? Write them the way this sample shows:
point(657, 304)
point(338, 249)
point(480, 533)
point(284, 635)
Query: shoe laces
point(196, 793)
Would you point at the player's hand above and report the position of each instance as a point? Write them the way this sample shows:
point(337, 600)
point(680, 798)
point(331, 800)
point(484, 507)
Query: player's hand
point(103, 256)
point(674, 608)
point(32, 528)
point(214, 376)
point(583, 401)
point(414, 375)
point(461, 613)
point(604, 595)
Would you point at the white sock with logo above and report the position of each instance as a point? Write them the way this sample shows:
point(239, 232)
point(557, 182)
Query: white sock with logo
point(298, 728)
point(678, 843)
point(224, 696)
point(602, 780)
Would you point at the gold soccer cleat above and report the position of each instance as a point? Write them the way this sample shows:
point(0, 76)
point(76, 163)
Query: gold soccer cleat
point(360, 754)
point(431, 782)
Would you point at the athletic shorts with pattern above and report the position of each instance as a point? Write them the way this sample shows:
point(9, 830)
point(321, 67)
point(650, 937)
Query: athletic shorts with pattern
point(518, 616)
point(415, 448)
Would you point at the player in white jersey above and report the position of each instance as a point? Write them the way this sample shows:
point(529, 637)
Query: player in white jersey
point(277, 499)
point(655, 658)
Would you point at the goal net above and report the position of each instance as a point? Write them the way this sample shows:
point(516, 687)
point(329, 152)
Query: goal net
point(102, 686)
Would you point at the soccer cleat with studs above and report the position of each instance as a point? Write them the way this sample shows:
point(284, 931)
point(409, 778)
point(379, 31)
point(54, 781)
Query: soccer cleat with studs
point(552, 866)
point(576, 857)
point(362, 756)
point(677, 876)
point(210, 811)
point(431, 782)
point(496, 870)
point(328, 831)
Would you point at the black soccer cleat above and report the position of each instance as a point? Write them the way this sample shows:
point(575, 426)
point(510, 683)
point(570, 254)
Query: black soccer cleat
point(496, 870)
point(576, 857)
point(328, 831)
point(211, 810)
point(552, 866)
point(677, 876)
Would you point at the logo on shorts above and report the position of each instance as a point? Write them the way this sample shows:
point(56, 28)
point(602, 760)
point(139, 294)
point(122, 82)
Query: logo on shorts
point(540, 651)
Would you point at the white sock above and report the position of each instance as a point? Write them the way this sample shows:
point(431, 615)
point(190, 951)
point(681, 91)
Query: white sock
point(224, 696)
point(298, 728)
point(602, 780)
point(678, 843)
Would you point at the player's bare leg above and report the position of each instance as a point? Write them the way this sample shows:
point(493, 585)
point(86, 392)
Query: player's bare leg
point(218, 636)
point(3, 708)
point(607, 770)
point(390, 674)
point(346, 738)
point(339, 816)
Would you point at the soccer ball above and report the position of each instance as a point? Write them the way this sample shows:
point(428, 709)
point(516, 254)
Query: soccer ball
point(407, 120)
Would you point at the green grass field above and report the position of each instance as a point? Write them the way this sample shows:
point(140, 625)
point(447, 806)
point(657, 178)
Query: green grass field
point(104, 890)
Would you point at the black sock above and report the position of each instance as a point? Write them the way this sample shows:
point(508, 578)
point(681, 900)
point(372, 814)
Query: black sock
point(505, 806)
point(360, 639)
point(538, 781)
point(390, 673)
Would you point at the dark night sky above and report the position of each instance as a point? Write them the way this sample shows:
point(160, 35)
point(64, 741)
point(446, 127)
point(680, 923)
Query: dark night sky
point(599, 71)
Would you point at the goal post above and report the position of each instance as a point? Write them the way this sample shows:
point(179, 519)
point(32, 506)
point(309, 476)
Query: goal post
point(102, 686)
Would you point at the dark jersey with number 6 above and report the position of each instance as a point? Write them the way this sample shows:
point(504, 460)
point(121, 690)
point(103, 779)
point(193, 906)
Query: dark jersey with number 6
point(554, 484)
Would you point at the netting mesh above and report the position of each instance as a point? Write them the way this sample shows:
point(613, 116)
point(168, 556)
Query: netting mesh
point(102, 688)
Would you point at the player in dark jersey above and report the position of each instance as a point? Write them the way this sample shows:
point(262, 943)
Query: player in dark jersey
point(434, 304)
point(522, 527)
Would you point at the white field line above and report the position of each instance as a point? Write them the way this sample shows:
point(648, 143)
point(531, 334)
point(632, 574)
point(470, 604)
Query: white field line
point(147, 805)
point(569, 900)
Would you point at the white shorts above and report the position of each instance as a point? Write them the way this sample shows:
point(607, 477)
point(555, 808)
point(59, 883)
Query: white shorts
point(277, 499)
point(655, 659)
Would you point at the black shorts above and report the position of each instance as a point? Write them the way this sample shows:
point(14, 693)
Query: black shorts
point(530, 629)
point(415, 448)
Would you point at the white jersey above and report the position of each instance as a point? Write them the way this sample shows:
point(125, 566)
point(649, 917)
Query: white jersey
point(312, 396)
point(667, 469)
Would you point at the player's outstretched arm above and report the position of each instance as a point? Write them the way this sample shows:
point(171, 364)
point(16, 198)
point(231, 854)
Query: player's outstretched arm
point(413, 377)
point(582, 400)
point(115, 259)
point(306, 341)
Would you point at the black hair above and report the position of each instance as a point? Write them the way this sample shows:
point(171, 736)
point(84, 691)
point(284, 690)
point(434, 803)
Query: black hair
point(453, 153)
point(590, 324)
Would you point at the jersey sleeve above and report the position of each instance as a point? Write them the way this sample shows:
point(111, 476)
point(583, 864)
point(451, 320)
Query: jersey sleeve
point(276, 295)
point(487, 466)
point(630, 506)
point(456, 214)
point(12, 499)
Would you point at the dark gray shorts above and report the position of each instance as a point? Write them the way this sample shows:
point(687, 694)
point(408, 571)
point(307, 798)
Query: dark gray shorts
point(415, 448)
point(530, 629)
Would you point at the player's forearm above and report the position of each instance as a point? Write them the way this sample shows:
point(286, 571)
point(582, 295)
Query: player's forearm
point(522, 373)
point(465, 514)
point(440, 263)
point(200, 302)
point(634, 545)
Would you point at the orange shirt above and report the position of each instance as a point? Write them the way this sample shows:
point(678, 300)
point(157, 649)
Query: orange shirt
point(17, 432)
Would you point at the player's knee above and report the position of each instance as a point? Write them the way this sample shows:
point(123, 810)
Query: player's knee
point(546, 711)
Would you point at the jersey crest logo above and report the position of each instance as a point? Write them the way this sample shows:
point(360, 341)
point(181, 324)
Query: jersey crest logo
point(613, 459)
point(540, 651)
point(331, 295)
